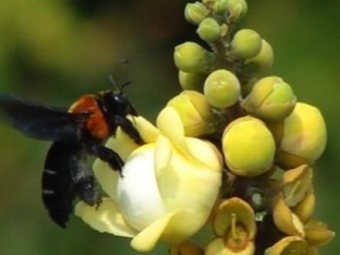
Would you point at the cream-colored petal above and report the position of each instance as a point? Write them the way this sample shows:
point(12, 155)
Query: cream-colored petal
point(122, 144)
point(163, 153)
point(204, 153)
point(186, 185)
point(287, 221)
point(147, 239)
point(106, 218)
point(305, 209)
point(173, 228)
point(147, 131)
point(297, 183)
point(107, 177)
point(170, 124)
point(217, 247)
point(289, 245)
point(138, 194)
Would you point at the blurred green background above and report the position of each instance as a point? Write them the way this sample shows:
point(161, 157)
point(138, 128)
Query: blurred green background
point(52, 51)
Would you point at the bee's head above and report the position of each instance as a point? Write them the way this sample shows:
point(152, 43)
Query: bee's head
point(115, 102)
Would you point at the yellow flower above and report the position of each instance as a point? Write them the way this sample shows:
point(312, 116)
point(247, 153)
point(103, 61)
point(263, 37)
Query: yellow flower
point(168, 189)
point(294, 200)
point(235, 228)
point(285, 219)
point(293, 209)
point(316, 234)
point(289, 245)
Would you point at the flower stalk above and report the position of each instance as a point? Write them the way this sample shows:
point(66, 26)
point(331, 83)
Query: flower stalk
point(233, 151)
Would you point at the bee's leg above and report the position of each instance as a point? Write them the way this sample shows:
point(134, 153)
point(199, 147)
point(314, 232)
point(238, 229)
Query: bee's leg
point(84, 183)
point(107, 155)
point(127, 126)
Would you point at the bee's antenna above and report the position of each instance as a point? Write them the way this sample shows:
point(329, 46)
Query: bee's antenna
point(124, 85)
point(116, 89)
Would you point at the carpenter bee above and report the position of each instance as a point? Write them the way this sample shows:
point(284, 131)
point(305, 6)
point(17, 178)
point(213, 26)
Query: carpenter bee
point(76, 132)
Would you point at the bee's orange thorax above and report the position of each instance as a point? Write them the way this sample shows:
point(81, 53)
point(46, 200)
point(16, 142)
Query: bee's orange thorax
point(96, 124)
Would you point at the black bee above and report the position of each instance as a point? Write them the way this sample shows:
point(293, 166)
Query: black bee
point(75, 132)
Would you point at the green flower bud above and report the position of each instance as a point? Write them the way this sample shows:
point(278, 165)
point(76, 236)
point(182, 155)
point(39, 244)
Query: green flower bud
point(303, 137)
point(209, 30)
point(220, 7)
point(191, 81)
point(271, 99)
point(237, 10)
point(245, 44)
point(191, 57)
point(195, 13)
point(248, 147)
point(262, 61)
point(222, 89)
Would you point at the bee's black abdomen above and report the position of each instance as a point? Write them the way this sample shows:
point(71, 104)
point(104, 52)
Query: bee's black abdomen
point(57, 183)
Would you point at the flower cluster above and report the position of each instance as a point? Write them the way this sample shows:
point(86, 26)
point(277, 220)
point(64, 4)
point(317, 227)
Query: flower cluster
point(233, 151)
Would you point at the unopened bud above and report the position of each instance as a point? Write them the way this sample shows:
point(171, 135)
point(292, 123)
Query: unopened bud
point(245, 44)
point(222, 89)
point(195, 13)
point(195, 112)
point(248, 147)
point(270, 99)
point(237, 10)
point(191, 81)
point(209, 30)
point(303, 138)
point(262, 61)
point(191, 57)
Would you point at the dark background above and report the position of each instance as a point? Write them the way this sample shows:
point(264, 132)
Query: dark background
point(53, 51)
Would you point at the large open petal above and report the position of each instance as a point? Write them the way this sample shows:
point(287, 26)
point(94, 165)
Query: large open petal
point(146, 129)
point(147, 239)
point(124, 146)
point(173, 228)
point(137, 192)
point(184, 184)
point(107, 178)
point(106, 218)
point(170, 124)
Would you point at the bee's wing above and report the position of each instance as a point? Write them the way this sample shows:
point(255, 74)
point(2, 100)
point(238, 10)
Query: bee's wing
point(66, 176)
point(42, 122)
